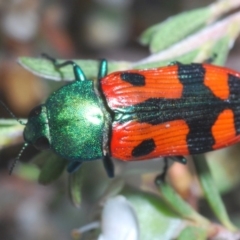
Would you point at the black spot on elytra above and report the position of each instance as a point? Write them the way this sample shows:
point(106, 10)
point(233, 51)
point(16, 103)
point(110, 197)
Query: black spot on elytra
point(135, 79)
point(144, 148)
point(204, 111)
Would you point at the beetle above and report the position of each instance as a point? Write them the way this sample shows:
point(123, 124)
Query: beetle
point(175, 110)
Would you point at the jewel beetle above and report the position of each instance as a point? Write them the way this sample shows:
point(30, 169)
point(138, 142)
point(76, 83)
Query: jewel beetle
point(176, 110)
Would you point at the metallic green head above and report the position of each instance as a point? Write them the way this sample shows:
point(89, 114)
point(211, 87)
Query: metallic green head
point(36, 131)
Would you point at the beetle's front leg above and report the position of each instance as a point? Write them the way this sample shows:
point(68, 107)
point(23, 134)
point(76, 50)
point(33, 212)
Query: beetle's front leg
point(78, 72)
point(108, 165)
point(162, 177)
point(103, 69)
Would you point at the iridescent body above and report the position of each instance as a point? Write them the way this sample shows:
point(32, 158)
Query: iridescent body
point(139, 114)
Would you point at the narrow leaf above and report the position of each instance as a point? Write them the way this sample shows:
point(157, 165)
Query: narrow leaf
point(10, 122)
point(52, 168)
point(221, 49)
point(10, 133)
point(226, 27)
point(44, 68)
point(179, 205)
point(192, 232)
point(210, 191)
point(186, 58)
point(75, 186)
point(174, 29)
point(163, 35)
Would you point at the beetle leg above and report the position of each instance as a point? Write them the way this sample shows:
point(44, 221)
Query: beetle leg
point(78, 72)
point(103, 69)
point(162, 177)
point(108, 165)
point(55, 63)
point(73, 166)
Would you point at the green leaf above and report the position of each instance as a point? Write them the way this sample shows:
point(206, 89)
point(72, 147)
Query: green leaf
point(217, 50)
point(116, 185)
point(221, 168)
point(174, 29)
point(222, 34)
point(75, 186)
point(156, 219)
point(11, 122)
point(10, 132)
point(221, 50)
point(97, 185)
point(27, 171)
point(52, 168)
point(192, 232)
point(211, 193)
point(186, 58)
point(179, 205)
point(44, 68)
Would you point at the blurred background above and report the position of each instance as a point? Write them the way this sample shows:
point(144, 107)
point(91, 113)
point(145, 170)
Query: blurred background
point(63, 29)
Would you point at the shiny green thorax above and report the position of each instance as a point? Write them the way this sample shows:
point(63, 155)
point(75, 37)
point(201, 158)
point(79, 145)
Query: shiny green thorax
point(73, 122)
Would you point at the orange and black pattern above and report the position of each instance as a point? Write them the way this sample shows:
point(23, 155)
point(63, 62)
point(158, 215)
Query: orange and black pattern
point(173, 110)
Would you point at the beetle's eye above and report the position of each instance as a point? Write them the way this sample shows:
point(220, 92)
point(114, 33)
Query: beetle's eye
point(42, 143)
point(35, 111)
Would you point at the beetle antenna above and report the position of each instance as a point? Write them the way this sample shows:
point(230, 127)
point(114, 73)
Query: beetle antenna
point(7, 109)
point(17, 158)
